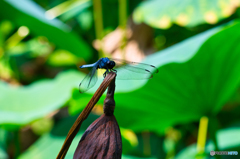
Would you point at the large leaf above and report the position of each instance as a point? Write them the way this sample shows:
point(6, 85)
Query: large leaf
point(21, 105)
point(183, 92)
point(189, 13)
point(196, 77)
point(30, 14)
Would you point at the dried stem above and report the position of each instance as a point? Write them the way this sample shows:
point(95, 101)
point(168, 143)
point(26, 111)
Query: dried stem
point(76, 126)
point(109, 103)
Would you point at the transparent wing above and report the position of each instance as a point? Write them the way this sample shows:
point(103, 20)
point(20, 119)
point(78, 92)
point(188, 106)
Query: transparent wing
point(120, 63)
point(89, 81)
point(133, 70)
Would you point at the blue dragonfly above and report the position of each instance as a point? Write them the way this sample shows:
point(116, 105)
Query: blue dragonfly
point(126, 70)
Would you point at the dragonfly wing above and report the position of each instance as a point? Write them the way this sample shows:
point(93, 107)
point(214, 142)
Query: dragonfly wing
point(133, 70)
point(120, 63)
point(133, 73)
point(89, 81)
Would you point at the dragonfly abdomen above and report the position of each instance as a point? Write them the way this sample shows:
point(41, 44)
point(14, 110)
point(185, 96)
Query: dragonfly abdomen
point(89, 65)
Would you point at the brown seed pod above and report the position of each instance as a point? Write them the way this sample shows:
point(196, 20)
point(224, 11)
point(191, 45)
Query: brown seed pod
point(101, 140)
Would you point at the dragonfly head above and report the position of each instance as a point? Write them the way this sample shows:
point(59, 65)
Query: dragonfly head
point(110, 64)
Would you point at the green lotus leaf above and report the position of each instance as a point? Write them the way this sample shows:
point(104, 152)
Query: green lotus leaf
point(24, 104)
point(188, 13)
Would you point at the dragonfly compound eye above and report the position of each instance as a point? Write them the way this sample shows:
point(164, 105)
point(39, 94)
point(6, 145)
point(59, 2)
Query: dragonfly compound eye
point(112, 64)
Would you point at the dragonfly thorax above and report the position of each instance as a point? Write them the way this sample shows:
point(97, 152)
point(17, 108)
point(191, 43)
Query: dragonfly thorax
point(105, 63)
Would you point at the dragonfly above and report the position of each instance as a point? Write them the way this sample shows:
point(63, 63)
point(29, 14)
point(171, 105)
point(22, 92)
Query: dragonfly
point(125, 70)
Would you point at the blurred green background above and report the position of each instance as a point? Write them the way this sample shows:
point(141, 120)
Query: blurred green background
point(186, 110)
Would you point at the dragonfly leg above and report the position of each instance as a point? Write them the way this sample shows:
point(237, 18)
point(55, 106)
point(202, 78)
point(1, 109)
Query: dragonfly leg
point(105, 73)
point(114, 70)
